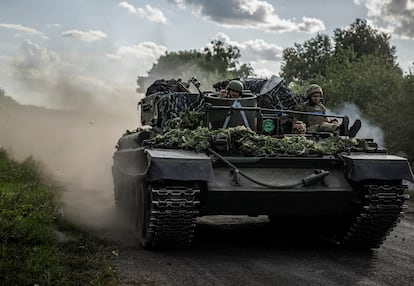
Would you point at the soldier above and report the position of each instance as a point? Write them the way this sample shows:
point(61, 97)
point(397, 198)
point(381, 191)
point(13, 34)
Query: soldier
point(233, 89)
point(314, 124)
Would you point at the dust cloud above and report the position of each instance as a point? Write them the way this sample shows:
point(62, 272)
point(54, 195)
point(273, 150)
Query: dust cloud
point(368, 129)
point(76, 148)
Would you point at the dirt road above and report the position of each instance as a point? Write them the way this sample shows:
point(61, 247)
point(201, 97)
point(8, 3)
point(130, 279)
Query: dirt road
point(250, 251)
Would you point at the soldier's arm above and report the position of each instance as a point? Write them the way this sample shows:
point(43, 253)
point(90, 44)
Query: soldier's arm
point(298, 117)
point(323, 108)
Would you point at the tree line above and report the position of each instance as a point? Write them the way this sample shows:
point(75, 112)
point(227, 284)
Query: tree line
point(358, 65)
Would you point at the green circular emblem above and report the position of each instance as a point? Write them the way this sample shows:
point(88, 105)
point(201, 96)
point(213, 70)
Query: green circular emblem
point(268, 125)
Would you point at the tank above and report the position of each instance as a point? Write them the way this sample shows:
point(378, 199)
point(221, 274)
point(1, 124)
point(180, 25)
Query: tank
point(197, 154)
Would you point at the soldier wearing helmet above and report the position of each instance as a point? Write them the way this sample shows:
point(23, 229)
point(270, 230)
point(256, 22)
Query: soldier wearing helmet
point(233, 89)
point(314, 124)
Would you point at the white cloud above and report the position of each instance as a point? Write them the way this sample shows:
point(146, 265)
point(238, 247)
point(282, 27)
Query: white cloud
point(20, 28)
point(260, 50)
point(265, 58)
point(253, 14)
point(396, 15)
point(88, 36)
point(131, 9)
point(264, 72)
point(142, 50)
point(311, 25)
point(148, 12)
point(180, 3)
point(152, 14)
point(36, 57)
point(254, 50)
point(56, 25)
point(76, 81)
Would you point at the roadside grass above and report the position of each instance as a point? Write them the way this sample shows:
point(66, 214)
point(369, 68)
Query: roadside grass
point(37, 246)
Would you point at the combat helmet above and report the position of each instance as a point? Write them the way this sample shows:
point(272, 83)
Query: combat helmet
point(235, 85)
point(312, 89)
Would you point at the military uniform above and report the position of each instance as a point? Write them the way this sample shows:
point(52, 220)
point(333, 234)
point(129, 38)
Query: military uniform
point(315, 123)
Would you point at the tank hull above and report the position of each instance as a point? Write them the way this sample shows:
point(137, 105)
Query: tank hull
point(171, 188)
point(162, 190)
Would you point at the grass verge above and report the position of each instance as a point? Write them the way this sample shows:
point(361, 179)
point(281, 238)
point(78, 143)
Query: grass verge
point(37, 246)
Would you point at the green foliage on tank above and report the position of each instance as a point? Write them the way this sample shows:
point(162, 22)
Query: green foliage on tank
point(186, 132)
point(187, 120)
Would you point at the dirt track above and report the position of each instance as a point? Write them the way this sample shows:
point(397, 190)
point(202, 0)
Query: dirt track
point(249, 251)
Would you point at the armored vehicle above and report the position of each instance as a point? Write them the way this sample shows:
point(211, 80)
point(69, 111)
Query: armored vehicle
point(197, 154)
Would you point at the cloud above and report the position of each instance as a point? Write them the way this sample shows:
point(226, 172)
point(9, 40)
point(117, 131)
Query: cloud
point(142, 50)
point(264, 57)
point(20, 28)
point(254, 14)
point(36, 57)
point(179, 3)
point(78, 81)
point(131, 9)
point(147, 12)
point(56, 25)
point(396, 15)
point(136, 60)
point(254, 50)
point(311, 25)
point(89, 36)
point(258, 49)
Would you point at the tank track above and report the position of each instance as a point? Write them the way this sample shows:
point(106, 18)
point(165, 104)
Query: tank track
point(380, 211)
point(172, 217)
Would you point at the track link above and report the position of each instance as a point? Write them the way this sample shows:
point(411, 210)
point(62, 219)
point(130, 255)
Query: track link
point(380, 211)
point(172, 216)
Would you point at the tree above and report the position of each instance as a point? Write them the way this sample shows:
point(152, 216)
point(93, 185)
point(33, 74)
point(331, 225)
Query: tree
point(212, 64)
point(368, 82)
point(364, 40)
point(309, 61)
point(403, 134)
point(306, 62)
point(5, 100)
point(170, 65)
point(361, 69)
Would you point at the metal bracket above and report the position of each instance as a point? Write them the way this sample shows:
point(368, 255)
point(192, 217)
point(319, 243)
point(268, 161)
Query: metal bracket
point(236, 177)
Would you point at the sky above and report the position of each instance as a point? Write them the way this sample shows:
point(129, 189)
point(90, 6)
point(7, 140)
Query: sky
point(79, 53)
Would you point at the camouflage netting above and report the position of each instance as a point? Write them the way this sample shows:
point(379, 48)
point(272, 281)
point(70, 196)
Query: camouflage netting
point(174, 96)
point(243, 141)
point(166, 86)
point(279, 97)
point(187, 120)
point(171, 106)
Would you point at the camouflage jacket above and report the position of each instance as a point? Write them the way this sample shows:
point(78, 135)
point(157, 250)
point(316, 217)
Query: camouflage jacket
point(310, 120)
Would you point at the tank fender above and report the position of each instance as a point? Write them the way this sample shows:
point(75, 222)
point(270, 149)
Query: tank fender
point(131, 162)
point(359, 167)
point(181, 165)
point(134, 139)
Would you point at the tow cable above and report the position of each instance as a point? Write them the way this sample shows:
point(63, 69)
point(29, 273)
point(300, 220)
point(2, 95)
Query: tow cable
point(312, 179)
